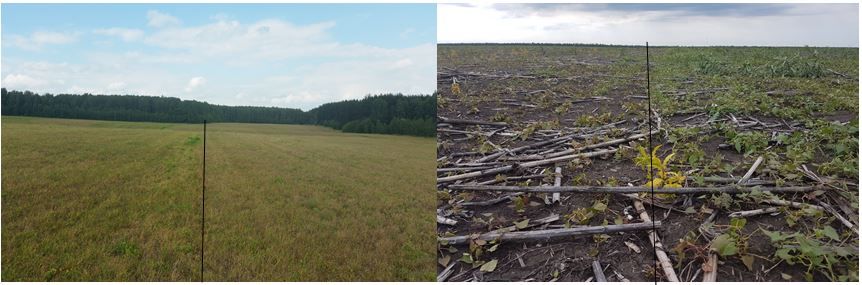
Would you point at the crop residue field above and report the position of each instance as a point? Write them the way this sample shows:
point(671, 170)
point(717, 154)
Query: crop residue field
point(515, 115)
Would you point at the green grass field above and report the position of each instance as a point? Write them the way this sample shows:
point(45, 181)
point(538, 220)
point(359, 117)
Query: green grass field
point(113, 201)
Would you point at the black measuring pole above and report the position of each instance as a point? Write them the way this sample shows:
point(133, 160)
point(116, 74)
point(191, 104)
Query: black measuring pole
point(203, 200)
point(651, 185)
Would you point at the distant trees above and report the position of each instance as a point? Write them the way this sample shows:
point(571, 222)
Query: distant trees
point(385, 114)
point(382, 114)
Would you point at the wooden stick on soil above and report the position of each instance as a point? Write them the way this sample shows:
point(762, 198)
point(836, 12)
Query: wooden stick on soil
point(471, 122)
point(750, 171)
point(731, 189)
point(710, 268)
point(796, 205)
point(663, 260)
point(557, 180)
point(549, 219)
point(547, 234)
point(750, 182)
point(526, 147)
point(446, 221)
point(588, 147)
point(492, 201)
point(835, 213)
point(524, 165)
point(513, 178)
point(597, 270)
point(711, 265)
point(446, 272)
point(749, 213)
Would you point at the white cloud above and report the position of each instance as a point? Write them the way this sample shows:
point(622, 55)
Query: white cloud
point(302, 97)
point(265, 63)
point(75, 89)
point(116, 86)
point(158, 19)
point(263, 40)
point(402, 63)
point(40, 38)
point(21, 81)
point(127, 35)
point(194, 83)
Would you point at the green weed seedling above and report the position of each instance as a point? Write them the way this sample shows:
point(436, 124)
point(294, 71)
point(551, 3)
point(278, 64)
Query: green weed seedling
point(818, 253)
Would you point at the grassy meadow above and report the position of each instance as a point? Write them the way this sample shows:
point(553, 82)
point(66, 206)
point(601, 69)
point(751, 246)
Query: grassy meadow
point(118, 201)
point(96, 200)
point(312, 204)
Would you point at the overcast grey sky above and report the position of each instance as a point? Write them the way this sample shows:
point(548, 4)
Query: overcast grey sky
point(660, 24)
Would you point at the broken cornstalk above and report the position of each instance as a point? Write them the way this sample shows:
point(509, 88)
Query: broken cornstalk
point(547, 234)
point(732, 189)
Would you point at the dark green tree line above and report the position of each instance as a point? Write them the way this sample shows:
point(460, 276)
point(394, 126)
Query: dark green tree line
point(385, 114)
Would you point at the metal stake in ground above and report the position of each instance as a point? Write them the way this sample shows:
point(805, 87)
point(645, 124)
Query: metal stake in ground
point(649, 142)
point(203, 199)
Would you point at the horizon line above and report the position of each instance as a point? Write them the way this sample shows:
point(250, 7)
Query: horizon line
point(193, 100)
point(635, 45)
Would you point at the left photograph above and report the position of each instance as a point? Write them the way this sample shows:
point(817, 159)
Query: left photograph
point(218, 142)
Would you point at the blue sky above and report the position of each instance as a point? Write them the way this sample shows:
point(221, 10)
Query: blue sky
point(660, 24)
point(288, 55)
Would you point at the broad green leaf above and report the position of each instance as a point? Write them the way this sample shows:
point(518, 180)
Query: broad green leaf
point(831, 233)
point(737, 223)
point(599, 206)
point(845, 251)
point(784, 253)
point(493, 248)
point(724, 245)
point(774, 236)
point(466, 258)
point(786, 276)
point(489, 266)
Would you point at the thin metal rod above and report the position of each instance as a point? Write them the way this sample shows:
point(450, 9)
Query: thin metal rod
point(649, 142)
point(203, 200)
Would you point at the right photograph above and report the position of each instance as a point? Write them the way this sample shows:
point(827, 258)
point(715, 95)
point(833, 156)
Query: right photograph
point(648, 142)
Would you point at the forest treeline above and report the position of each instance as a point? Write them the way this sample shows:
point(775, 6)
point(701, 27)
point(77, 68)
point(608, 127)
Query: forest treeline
point(384, 114)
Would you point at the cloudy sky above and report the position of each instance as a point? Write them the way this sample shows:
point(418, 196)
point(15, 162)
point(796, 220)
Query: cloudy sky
point(287, 55)
point(660, 24)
